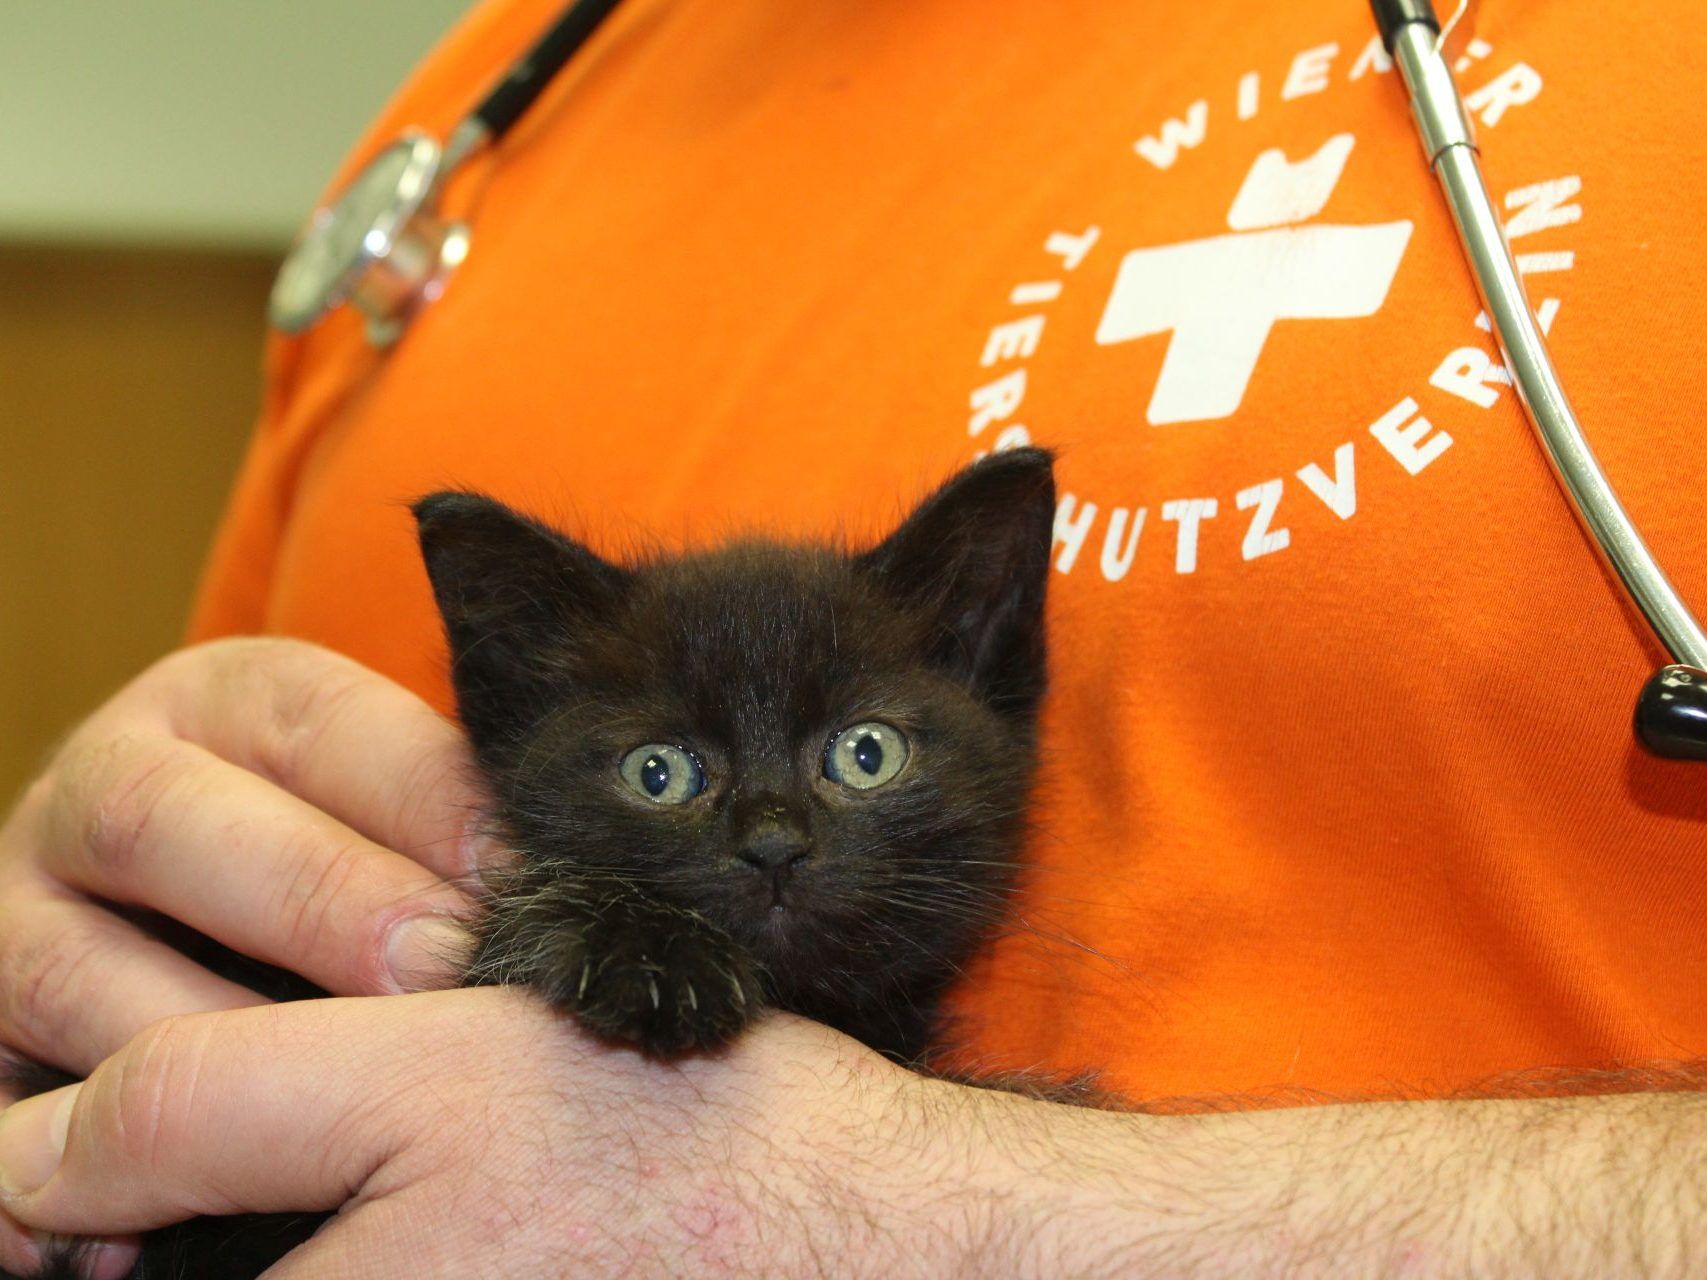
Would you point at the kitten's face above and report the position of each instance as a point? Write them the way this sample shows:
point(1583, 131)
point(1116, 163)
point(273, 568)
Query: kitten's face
point(730, 736)
point(824, 755)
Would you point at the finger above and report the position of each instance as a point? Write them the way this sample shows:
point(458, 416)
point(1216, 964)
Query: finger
point(21, 1250)
point(226, 852)
point(24, 1252)
point(235, 1112)
point(344, 738)
point(20, 1254)
point(362, 1241)
point(77, 982)
point(12, 1065)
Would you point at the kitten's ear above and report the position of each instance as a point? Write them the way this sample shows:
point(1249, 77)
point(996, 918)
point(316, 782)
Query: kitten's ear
point(975, 558)
point(513, 595)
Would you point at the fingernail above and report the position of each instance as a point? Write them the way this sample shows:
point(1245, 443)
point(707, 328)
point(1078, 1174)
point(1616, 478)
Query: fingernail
point(479, 850)
point(26, 1243)
point(92, 1257)
point(425, 951)
point(32, 1139)
point(471, 848)
point(112, 1259)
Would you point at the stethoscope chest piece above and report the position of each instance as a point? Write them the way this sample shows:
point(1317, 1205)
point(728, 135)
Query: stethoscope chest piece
point(380, 246)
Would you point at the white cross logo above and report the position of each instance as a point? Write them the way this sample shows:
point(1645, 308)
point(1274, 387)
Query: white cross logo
point(1219, 297)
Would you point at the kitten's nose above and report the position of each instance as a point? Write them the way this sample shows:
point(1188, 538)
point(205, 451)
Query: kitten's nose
point(771, 846)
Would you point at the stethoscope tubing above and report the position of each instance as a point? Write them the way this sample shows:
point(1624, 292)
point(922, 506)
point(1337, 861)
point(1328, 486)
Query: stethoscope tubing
point(1451, 153)
point(1671, 710)
point(1596, 504)
point(525, 80)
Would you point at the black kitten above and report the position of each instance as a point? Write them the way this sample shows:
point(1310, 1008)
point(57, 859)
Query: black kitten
point(765, 775)
point(761, 775)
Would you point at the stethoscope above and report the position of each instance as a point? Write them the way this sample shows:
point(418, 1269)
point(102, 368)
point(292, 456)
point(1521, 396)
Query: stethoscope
point(383, 247)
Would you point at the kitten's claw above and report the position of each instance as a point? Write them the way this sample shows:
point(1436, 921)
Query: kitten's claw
point(639, 974)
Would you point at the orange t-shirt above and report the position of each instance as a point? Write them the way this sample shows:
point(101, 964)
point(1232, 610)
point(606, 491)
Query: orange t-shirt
point(1340, 790)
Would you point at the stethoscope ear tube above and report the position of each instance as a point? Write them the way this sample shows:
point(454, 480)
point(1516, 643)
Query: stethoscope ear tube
point(1671, 714)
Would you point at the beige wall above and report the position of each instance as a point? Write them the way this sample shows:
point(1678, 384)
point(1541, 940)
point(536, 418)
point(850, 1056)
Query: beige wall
point(155, 157)
point(199, 122)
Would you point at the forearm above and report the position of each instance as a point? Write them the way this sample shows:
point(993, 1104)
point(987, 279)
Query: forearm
point(1557, 1187)
point(797, 1152)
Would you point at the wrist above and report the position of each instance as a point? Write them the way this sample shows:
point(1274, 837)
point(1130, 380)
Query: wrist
point(907, 1174)
point(1042, 1188)
point(868, 1169)
point(984, 1182)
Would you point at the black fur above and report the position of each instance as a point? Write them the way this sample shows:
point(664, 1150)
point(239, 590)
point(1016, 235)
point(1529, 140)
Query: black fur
point(671, 926)
point(642, 919)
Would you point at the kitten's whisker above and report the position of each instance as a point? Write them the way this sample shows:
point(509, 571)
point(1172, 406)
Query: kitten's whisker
point(1005, 923)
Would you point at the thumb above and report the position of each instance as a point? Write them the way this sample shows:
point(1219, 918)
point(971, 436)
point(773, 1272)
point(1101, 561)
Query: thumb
point(275, 1108)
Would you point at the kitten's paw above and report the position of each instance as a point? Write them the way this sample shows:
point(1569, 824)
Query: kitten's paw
point(669, 989)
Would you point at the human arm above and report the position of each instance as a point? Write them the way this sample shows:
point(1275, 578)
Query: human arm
point(519, 1145)
point(352, 765)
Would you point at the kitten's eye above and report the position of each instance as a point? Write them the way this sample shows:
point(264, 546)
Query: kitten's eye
point(865, 756)
point(663, 774)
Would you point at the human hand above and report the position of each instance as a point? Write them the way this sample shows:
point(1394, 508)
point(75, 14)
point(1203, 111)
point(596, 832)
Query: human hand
point(474, 1132)
point(273, 795)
